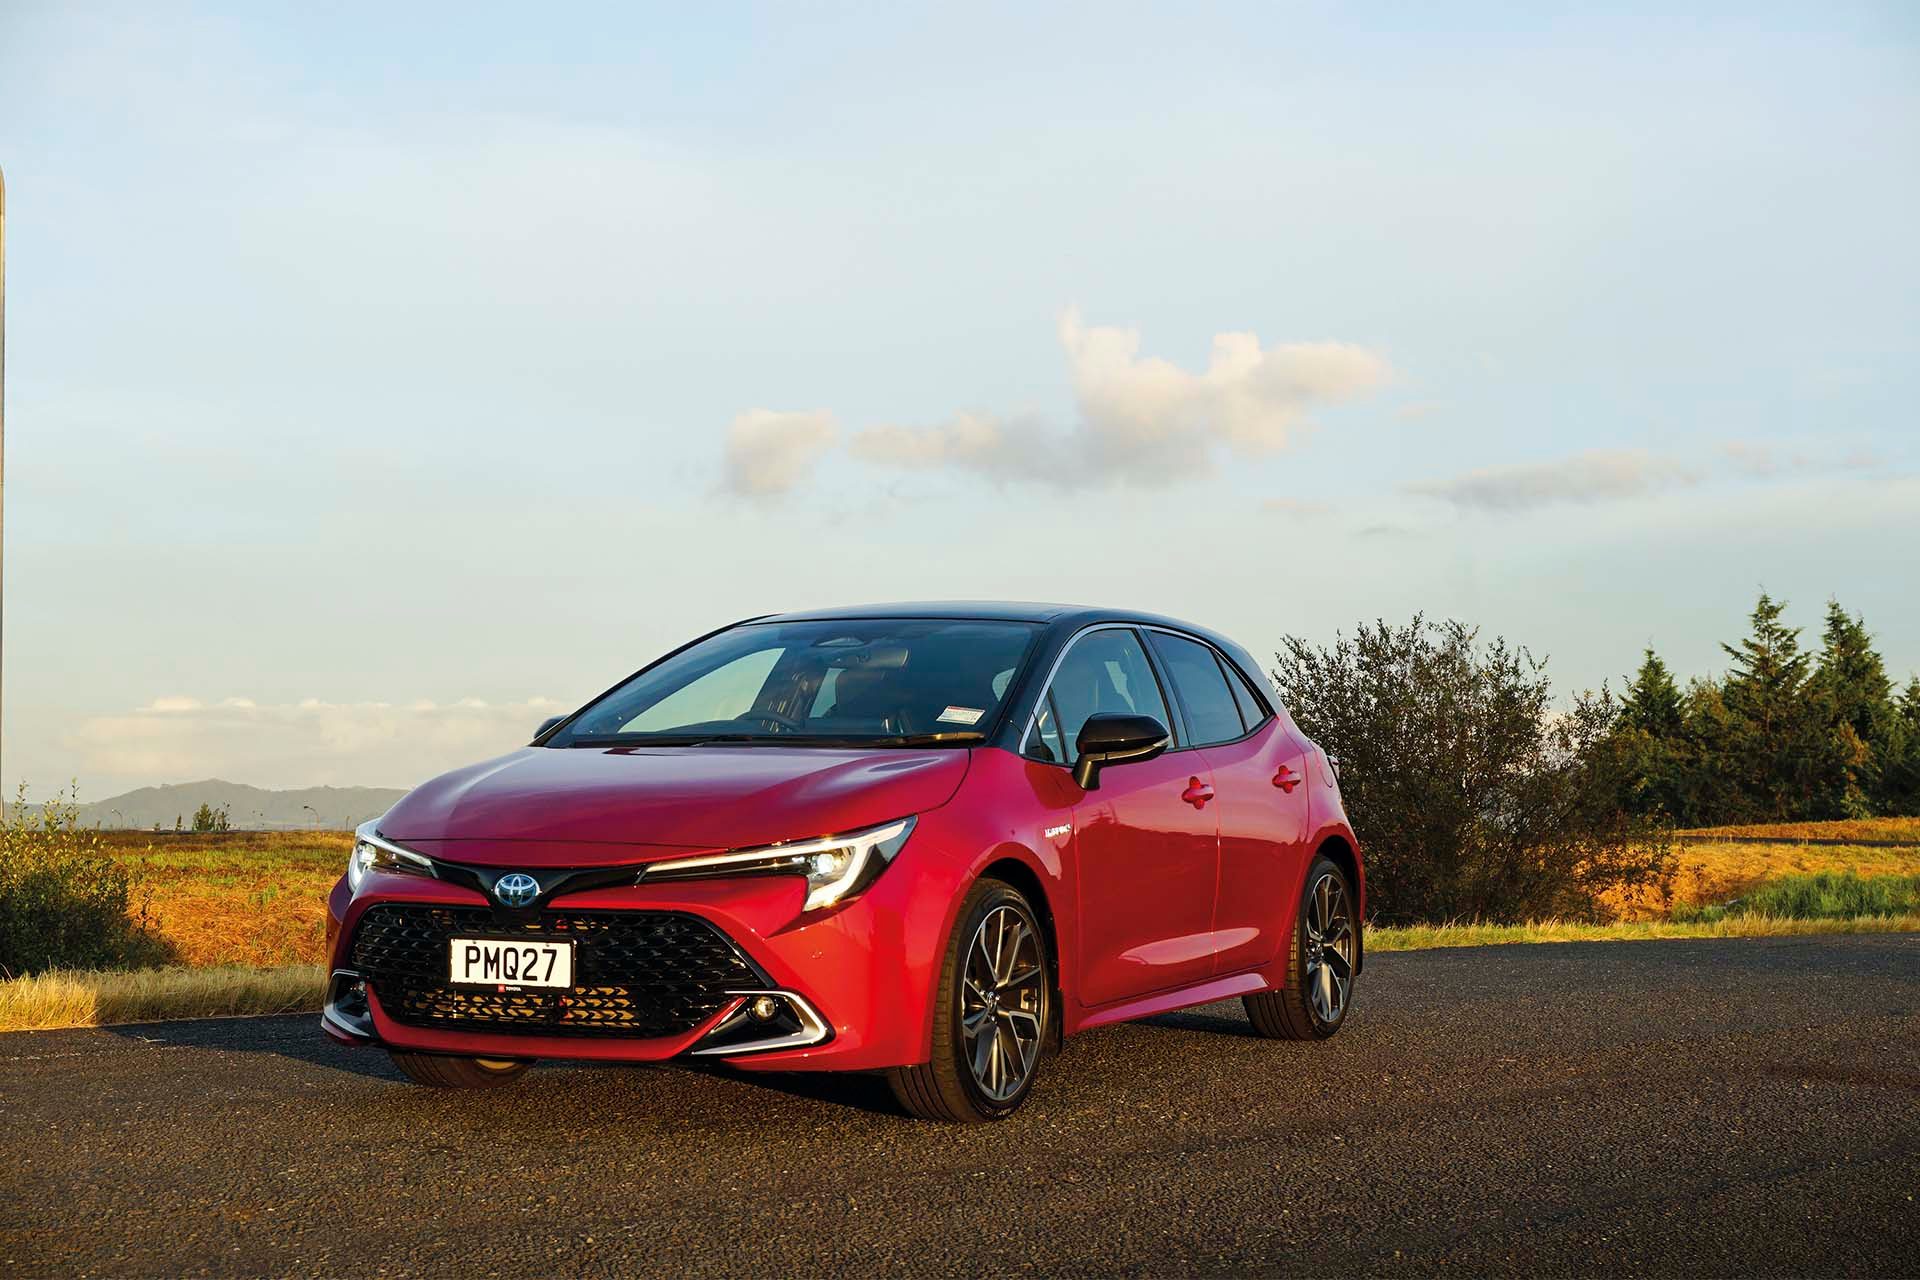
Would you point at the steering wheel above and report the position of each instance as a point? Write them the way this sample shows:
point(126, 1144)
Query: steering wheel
point(775, 718)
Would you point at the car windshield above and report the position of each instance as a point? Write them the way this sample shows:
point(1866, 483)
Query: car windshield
point(858, 681)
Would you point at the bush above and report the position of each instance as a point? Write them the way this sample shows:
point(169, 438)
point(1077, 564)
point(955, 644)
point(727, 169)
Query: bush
point(1824, 895)
point(63, 900)
point(1472, 797)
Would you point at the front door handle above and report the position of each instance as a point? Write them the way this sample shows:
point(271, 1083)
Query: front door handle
point(1197, 793)
point(1286, 779)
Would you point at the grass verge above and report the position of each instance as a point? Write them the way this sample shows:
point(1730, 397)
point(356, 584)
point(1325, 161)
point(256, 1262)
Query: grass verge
point(1423, 937)
point(97, 998)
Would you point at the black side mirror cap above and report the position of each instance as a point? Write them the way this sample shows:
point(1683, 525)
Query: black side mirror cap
point(545, 725)
point(1115, 739)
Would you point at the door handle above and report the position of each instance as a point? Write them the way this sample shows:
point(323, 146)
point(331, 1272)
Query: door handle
point(1197, 793)
point(1286, 779)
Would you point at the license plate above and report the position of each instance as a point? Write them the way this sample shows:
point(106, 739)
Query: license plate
point(496, 962)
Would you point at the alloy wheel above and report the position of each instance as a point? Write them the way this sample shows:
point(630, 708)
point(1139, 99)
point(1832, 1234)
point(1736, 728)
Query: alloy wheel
point(1003, 1002)
point(1329, 945)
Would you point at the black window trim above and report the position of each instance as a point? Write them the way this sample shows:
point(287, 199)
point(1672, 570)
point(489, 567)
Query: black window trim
point(1229, 670)
point(1175, 709)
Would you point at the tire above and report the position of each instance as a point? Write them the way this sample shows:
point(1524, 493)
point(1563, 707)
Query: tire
point(1320, 971)
point(442, 1071)
point(1018, 1008)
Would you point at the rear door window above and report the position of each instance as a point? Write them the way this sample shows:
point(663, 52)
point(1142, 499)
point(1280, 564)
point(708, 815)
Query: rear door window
point(1202, 686)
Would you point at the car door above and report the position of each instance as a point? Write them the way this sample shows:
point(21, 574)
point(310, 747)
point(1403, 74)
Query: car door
point(1145, 846)
point(1259, 772)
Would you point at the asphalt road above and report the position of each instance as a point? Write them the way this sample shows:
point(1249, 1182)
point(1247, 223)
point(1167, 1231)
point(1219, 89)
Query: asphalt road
point(1724, 1107)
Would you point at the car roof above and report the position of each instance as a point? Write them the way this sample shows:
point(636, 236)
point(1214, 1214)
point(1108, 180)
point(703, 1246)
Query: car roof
point(1001, 610)
point(1065, 615)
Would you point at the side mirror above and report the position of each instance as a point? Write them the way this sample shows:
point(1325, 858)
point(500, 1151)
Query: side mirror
point(1115, 739)
point(545, 725)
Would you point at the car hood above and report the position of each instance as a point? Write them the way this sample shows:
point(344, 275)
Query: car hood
point(642, 803)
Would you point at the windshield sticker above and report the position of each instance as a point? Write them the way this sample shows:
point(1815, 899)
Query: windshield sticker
point(960, 715)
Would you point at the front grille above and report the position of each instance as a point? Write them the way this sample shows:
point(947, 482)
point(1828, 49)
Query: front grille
point(636, 973)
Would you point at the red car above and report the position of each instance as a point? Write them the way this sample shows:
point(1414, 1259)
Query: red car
point(925, 840)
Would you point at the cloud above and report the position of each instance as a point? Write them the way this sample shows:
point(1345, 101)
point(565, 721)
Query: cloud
point(1764, 461)
point(305, 743)
point(1147, 419)
point(769, 453)
point(968, 441)
point(1140, 419)
point(1594, 476)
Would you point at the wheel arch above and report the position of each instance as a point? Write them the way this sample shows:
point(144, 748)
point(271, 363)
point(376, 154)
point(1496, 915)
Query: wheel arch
point(1340, 851)
point(1032, 886)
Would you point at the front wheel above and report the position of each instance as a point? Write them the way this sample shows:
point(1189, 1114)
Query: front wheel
point(1326, 939)
point(443, 1071)
point(990, 1017)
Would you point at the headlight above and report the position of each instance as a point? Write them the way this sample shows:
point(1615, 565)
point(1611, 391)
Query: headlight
point(835, 867)
point(372, 853)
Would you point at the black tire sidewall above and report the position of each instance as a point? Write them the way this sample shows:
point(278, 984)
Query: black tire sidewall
point(988, 896)
point(1321, 866)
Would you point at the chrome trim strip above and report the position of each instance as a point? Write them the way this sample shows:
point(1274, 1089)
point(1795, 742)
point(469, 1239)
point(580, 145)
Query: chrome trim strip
point(813, 1028)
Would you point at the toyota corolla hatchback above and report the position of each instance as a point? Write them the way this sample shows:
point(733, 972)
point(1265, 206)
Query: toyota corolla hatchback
point(925, 840)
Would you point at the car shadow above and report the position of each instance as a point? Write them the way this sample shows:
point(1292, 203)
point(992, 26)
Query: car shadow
point(298, 1038)
point(853, 1090)
point(295, 1036)
point(1201, 1020)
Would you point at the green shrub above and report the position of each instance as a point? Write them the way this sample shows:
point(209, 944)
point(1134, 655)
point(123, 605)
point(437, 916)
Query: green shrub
point(1474, 798)
point(1824, 895)
point(64, 902)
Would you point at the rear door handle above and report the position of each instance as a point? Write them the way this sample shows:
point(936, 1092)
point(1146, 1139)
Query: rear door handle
point(1197, 793)
point(1286, 779)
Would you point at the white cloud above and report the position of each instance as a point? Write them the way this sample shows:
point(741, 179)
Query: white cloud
point(1142, 419)
point(1144, 416)
point(306, 743)
point(769, 453)
point(1594, 476)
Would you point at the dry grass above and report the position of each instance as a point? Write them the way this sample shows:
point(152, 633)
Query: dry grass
point(1707, 873)
point(88, 998)
point(1903, 830)
point(255, 898)
point(1426, 937)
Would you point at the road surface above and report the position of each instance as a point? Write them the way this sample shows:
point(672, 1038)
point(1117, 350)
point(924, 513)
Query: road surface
point(1724, 1107)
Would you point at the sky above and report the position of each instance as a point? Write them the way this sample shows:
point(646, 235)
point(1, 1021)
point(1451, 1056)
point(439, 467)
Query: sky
point(380, 383)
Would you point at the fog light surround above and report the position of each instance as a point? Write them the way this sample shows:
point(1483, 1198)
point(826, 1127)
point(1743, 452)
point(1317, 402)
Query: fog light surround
point(763, 1022)
point(347, 1009)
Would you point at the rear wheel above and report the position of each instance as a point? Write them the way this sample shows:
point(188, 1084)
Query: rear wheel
point(1319, 987)
point(443, 1071)
point(991, 1013)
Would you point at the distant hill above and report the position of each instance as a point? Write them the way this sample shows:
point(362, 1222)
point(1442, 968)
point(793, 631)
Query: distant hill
point(248, 808)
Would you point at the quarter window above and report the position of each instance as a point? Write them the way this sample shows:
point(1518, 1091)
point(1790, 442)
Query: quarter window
point(1250, 709)
point(1202, 687)
point(1044, 742)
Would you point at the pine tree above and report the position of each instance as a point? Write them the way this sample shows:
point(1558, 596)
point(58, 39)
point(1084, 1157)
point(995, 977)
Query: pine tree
point(1651, 735)
point(1774, 738)
point(1652, 703)
point(1854, 701)
point(1900, 774)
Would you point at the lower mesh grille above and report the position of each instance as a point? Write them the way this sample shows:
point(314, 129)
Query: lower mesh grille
point(638, 973)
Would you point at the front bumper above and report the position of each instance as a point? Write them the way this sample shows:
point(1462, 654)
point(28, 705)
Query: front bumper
point(663, 971)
